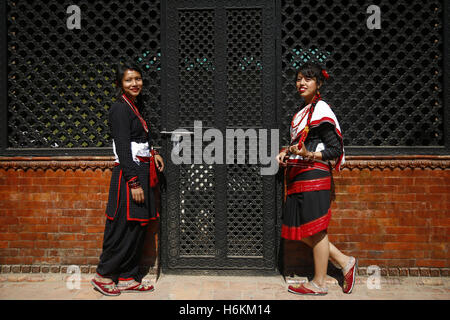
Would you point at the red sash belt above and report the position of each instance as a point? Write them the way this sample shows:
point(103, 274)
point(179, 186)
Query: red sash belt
point(309, 185)
point(153, 173)
point(143, 159)
point(297, 166)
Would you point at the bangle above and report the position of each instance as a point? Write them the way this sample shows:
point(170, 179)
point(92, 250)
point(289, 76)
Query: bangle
point(134, 184)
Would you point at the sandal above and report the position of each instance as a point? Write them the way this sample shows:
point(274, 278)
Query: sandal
point(108, 289)
point(301, 289)
point(138, 288)
point(349, 275)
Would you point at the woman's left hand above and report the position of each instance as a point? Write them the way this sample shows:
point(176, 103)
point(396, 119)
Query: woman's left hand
point(159, 162)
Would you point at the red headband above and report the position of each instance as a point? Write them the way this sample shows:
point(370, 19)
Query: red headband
point(325, 74)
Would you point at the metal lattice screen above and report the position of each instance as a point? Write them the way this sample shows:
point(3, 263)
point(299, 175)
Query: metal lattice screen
point(61, 81)
point(386, 84)
point(197, 65)
point(244, 109)
point(196, 74)
point(221, 215)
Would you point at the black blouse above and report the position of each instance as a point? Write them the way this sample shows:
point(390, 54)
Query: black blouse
point(326, 134)
point(126, 127)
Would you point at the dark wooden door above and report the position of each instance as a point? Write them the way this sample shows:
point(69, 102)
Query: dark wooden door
point(220, 64)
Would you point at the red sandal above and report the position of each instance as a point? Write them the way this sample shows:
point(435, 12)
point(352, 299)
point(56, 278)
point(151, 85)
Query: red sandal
point(349, 276)
point(138, 288)
point(108, 289)
point(301, 289)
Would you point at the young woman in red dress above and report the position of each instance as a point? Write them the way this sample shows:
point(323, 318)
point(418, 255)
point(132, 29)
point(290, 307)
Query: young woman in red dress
point(315, 140)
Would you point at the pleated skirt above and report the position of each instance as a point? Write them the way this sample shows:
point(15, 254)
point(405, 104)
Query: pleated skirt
point(306, 213)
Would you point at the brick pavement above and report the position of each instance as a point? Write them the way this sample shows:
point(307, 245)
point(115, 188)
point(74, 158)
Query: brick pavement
point(201, 287)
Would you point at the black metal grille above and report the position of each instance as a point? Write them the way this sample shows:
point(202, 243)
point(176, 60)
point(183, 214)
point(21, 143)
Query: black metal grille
point(197, 187)
point(244, 109)
point(197, 66)
point(386, 84)
point(220, 216)
point(244, 49)
point(197, 211)
point(61, 81)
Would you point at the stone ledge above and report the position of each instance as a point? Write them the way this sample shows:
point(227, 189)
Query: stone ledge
point(58, 269)
point(396, 272)
point(107, 162)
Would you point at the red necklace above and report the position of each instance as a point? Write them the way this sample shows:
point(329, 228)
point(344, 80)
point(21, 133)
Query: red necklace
point(136, 111)
point(305, 130)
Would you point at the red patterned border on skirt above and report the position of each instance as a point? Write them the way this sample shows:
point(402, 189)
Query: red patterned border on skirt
point(307, 229)
point(309, 185)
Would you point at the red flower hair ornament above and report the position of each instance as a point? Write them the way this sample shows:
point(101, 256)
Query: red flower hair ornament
point(325, 74)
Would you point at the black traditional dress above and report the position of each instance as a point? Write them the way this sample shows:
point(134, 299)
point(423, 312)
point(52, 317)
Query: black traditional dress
point(308, 183)
point(126, 222)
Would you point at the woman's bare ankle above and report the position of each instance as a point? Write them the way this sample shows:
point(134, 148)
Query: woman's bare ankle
point(127, 283)
point(348, 265)
point(101, 279)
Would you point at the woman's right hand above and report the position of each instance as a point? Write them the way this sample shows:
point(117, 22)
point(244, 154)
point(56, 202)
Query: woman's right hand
point(138, 195)
point(281, 159)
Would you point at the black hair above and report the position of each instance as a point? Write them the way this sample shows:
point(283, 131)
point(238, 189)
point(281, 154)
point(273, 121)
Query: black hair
point(312, 70)
point(121, 67)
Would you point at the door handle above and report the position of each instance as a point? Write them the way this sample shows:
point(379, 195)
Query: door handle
point(176, 138)
point(181, 133)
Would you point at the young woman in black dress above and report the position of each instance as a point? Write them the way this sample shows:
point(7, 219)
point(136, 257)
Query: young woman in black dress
point(131, 203)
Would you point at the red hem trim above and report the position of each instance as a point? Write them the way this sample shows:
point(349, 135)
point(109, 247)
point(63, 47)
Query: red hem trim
point(136, 219)
point(118, 193)
point(128, 201)
point(128, 208)
point(125, 279)
point(118, 198)
point(151, 219)
point(134, 178)
point(307, 229)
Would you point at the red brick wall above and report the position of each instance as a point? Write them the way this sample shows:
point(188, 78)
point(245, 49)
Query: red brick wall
point(393, 217)
point(388, 212)
point(55, 216)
